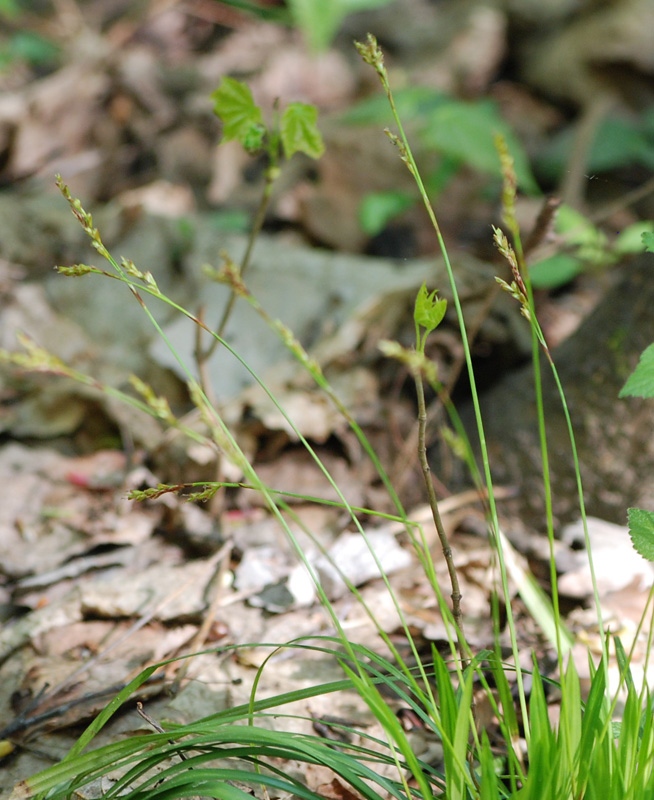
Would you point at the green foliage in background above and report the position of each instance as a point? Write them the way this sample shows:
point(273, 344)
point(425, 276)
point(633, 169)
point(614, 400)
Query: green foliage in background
point(462, 132)
point(318, 20)
point(619, 141)
point(377, 209)
point(583, 246)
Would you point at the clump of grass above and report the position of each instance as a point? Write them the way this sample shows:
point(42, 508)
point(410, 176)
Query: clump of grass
point(585, 755)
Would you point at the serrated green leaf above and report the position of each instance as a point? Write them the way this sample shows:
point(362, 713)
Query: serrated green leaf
point(641, 381)
point(234, 104)
point(299, 131)
point(641, 530)
point(429, 309)
point(648, 241)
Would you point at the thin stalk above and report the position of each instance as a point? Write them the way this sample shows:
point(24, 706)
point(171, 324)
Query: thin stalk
point(230, 274)
point(373, 55)
point(257, 226)
point(144, 282)
point(442, 535)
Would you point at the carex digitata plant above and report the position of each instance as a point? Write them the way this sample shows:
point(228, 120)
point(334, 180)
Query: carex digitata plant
point(244, 749)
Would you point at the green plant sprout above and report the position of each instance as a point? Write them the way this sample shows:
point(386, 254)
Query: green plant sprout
point(429, 312)
point(295, 131)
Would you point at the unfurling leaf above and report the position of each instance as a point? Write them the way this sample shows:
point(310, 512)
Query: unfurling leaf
point(641, 530)
point(299, 131)
point(429, 309)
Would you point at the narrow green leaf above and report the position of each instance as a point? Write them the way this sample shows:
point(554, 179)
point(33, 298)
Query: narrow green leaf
point(628, 743)
point(648, 241)
point(595, 733)
point(266, 12)
point(489, 789)
point(623, 663)
point(234, 104)
point(457, 780)
point(641, 381)
point(299, 131)
point(641, 530)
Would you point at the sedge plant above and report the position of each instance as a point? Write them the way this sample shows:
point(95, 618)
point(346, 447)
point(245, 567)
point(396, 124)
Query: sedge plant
point(586, 755)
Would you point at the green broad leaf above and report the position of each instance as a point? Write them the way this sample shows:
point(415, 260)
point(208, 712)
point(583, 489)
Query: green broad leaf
point(299, 131)
point(429, 309)
point(558, 270)
point(230, 221)
point(648, 241)
point(641, 530)
point(466, 131)
point(411, 102)
point(319, 20)
point(578, 230)
point(9, 9)
point(234, 104)
point(632, 238)
point(618, 142)
point(641, 381)
point(377, 209)
point(29, 47)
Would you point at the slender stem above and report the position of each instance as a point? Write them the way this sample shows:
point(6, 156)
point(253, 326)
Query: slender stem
point(257, 225)
point(442, 535)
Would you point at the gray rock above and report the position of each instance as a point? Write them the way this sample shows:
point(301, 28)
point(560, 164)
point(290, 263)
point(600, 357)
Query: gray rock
point(614, 441)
